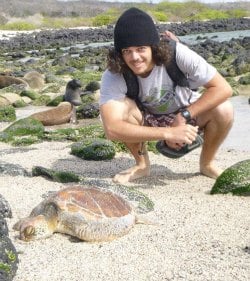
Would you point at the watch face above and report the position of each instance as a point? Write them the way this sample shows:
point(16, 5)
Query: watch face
point(186, 114)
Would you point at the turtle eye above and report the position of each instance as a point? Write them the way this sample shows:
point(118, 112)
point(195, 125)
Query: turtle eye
point(28, 232)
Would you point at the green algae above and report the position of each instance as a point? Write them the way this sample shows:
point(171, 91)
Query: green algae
point(235, 180)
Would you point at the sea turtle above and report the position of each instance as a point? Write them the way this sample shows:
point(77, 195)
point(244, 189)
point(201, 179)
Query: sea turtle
point(89, 213)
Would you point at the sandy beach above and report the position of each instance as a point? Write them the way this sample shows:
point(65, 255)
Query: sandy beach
point(201, 237)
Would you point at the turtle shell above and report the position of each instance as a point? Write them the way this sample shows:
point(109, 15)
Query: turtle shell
point(92, 214)
point(93, 202)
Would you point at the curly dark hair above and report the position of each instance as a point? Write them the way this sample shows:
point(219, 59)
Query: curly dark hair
point(161, 55)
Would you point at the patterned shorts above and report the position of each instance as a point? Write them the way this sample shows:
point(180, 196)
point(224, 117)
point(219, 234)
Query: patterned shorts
point(162, 120)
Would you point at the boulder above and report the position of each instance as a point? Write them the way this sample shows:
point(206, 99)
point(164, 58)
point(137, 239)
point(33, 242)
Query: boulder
point(8, 254)
point(5, 210)
point(54, 116)
point(94, 149)
point(11, 97)
point(11, 170)
point(35, 79)
point(6, 81)
point(235, 180)
point(58, 176)
point(24, 127)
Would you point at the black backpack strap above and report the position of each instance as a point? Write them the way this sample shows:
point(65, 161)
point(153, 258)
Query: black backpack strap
point(173, 69)
point(132, 84)
point(132, 87)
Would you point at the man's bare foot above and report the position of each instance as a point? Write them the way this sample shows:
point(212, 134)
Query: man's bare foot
point(131, 174)
point(211, 171)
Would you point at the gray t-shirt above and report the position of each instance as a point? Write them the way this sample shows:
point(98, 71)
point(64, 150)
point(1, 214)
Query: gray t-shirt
point(156, 92)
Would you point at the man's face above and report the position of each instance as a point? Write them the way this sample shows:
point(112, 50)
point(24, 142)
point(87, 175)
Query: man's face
point(139, 59)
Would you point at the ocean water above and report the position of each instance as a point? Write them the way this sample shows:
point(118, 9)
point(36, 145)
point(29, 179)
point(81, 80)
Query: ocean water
point(216, 36)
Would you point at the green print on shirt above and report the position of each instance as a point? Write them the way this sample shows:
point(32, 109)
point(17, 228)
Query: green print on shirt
point(166, 100)
point(163, 107)
point(159, 100)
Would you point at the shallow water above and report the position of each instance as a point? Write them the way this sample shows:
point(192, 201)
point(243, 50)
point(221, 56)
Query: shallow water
point(216, 36)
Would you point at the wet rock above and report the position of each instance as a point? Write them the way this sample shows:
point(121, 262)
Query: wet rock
point(94, 149)
point(11, 170)
point(23, 132)
point(88, 111)
point(92, 86)
point(58, 176)
point(8, 254)
point(235, 180)
point(5, 210)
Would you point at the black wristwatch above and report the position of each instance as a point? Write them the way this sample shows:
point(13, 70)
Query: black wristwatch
point(186, 114)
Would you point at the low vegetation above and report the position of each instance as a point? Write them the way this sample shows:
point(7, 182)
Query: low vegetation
point(32, 14)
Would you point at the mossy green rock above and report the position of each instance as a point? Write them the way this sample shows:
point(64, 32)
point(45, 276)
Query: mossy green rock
point(58, 176)
point(30, 94)
point(8, 254)
point(235, 180)
point(92, 86)
point(19, 103)
point(94, 149)
point(7, 113)
point(26, 126)
point(56, 101)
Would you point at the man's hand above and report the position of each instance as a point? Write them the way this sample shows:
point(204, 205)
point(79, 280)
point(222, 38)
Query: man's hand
point(182, 135)
point(169, 35)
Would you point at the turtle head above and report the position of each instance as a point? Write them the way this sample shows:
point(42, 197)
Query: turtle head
point(40, 226)
point(34, 228)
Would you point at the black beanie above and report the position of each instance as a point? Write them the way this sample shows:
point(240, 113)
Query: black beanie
point(135, 28)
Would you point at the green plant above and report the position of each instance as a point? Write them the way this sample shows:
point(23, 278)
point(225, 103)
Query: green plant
point(160, 16)
point(103, 19)
point(7, 113)
point(86, 77)
point(238, 13)
point(5, 267)
point(11, 255)
point(209, 14)
point(18, 25)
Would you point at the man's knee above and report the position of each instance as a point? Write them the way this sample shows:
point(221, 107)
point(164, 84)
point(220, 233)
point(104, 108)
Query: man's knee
point(222, 114)
point(225, 112)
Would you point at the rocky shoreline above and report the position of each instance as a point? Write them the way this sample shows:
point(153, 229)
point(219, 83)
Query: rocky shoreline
point(66, 37)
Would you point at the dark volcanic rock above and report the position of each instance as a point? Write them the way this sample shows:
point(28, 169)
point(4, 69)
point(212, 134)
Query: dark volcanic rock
point(67, 37)
point(8, 254)
point(206, 26)
point(5, 210)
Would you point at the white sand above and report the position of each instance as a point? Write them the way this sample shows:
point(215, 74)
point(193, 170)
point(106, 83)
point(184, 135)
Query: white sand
point(202, 236)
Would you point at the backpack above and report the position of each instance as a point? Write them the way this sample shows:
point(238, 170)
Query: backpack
point(176, 75)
